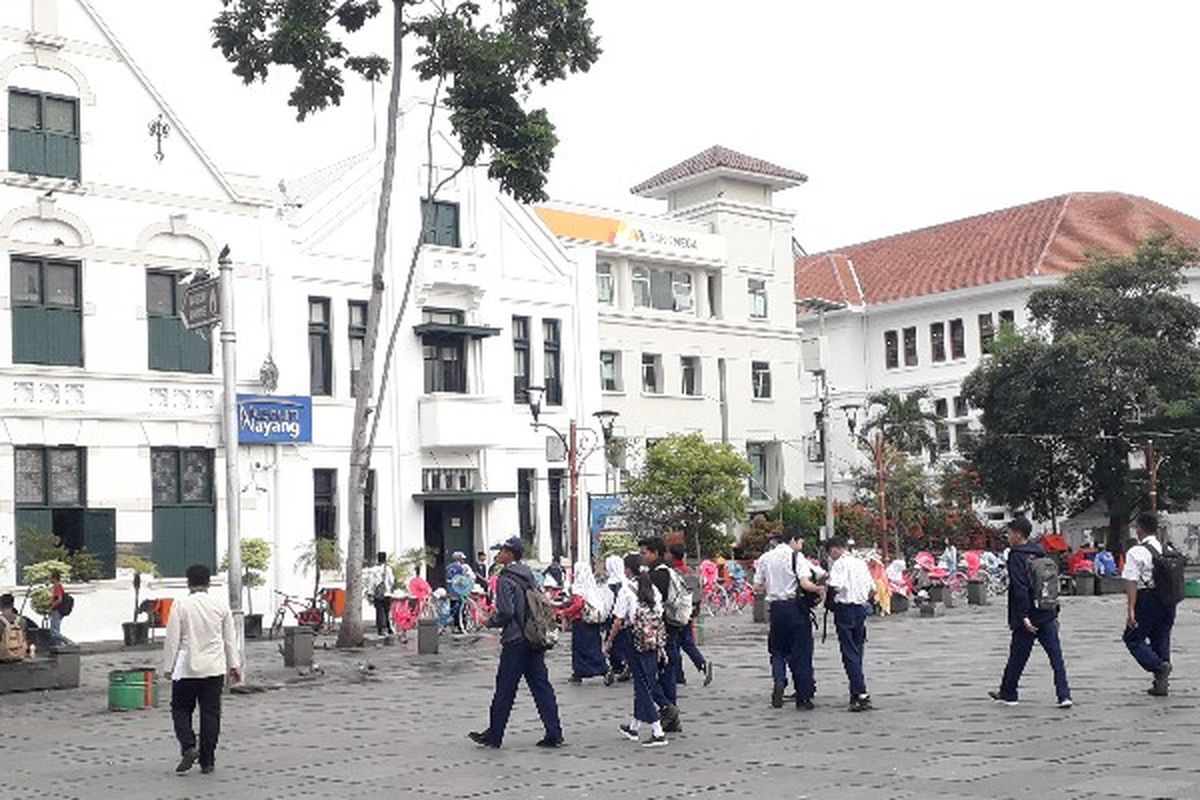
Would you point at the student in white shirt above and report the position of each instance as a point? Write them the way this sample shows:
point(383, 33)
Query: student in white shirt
point(785, 575)
point(200, 647)
point(638, 594)
point(851, 581)
point(1149, 620)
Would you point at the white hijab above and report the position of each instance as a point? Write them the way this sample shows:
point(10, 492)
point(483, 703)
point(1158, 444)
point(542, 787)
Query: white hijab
point(585, 586)
point(614, 568)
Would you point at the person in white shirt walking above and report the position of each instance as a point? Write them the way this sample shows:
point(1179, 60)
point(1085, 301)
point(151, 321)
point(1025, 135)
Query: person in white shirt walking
point(199, 649)
point(1149, 621)
point(380, 583)
point(785, 576)
point(851, 581)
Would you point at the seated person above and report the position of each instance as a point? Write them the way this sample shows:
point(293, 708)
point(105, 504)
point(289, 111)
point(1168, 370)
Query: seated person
point(13, 643)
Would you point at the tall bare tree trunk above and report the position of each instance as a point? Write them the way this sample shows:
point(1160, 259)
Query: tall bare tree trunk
point(351, 632)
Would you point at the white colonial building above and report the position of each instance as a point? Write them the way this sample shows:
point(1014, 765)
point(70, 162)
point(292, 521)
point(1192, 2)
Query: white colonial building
point(697, 325)
point(919, 309)
point(110, 432)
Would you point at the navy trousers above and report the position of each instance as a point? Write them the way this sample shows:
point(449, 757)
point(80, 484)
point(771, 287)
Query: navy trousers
point(1150, 641)
point(643, 666)
point(587, 652)
point(851, 623)
point(790, 643)
point(519, 660)
point(186, 693)
point(1022, 646)
point(668, 672)
point(687, 643)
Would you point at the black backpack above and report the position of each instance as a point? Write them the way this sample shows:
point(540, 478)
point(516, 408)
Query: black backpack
point(1169, 578)
point(67, 605)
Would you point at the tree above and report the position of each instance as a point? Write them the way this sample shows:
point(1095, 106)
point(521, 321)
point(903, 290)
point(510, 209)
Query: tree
point(692, 486)
point(490, 56)
point(1110, 365)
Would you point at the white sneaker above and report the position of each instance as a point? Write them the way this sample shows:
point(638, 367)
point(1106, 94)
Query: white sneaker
point(655, 741)
point(629, 733)
point(1065, 703)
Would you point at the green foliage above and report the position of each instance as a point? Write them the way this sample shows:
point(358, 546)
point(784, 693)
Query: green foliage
point(321, 554)
point(85, 566)
point(39, 573)
point(41, 598)
point(902, 420)
point(142, 566)
point(756, 539)
point(1112, 359)
point(854, 521)
point(256, 559)
point(617, 543)
point(410, 562)
point(39, 545)
point(692, 486)
point(490, 56)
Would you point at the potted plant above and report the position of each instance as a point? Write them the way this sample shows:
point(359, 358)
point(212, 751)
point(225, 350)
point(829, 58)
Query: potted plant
point(137, 632)
point(256, 558)
point(319, 555)
point(37, 578)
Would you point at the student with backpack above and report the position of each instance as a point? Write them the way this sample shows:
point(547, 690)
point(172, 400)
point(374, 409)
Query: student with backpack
point(61, 603)
point(382, 581)
point(527, 628)
point(788, 580)
point(687, 634)
point(1154, 582)
point(677, 612)
point(639, 633)
point(587, 654)
point(614, 580)
point(1032, 614)
point(13, 644)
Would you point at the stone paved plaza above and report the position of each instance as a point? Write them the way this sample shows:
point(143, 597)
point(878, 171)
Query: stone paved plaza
point(401, 733)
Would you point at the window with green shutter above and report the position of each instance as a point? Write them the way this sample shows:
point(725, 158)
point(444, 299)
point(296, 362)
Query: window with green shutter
point(441, 223)
point(47, 326)
point(173, 348)
point(43, 134)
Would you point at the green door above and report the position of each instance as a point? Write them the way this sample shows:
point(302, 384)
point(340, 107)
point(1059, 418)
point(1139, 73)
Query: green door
point(184, 535)
point(200, 536)
point(100, 537)
point(458, 529)
point(37, 519)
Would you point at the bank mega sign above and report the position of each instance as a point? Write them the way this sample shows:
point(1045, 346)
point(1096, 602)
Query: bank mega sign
point(658, 236)
point(274, 420)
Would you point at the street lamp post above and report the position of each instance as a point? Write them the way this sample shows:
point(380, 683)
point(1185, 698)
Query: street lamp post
point(571, 442)
point(821, 305)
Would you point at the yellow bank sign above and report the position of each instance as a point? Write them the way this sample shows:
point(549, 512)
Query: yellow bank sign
point(639, 233)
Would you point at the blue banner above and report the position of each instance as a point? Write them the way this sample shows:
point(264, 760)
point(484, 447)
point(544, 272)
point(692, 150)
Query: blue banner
point(605, 513)
point(274, 420)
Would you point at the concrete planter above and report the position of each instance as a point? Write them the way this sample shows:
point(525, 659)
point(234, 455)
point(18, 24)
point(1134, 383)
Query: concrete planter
point(135, 633)
point(1085, 584)
point(899, 603)
point(252, 626)
point(427, 637)
point(977, 593)
point(298, 647)
point(938, 592)
point(1110, 584)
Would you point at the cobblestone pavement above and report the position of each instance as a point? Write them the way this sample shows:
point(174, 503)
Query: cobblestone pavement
point(401, 731)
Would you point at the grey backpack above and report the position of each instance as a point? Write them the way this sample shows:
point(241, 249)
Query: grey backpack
point(1043, 576)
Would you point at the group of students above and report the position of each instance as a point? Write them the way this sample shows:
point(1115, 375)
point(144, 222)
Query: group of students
point(637, 633)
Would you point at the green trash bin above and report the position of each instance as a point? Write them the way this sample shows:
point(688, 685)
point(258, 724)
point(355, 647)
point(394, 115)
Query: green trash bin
point(132, 689)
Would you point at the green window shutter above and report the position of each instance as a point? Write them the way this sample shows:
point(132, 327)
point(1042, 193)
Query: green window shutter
point(62, 156)
point(100, 537)
point(164, 342)
point(27, 152)
point(29, 342)
point(447, 224)
point(64, 337)
point(195, 350)
point(167, 549)
point(39, 519)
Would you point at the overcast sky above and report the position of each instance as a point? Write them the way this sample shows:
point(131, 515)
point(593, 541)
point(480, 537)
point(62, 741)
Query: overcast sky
point(902, 114)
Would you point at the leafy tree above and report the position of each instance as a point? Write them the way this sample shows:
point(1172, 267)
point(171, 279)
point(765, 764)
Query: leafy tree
point(256, 559)
point(692, 486)
point(1110, 364)
point(489, 55)
point(903, 420)
point(320, 555)
point(756, 539)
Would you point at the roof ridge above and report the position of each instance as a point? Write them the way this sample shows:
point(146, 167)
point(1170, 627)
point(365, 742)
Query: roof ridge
point(1062, 213)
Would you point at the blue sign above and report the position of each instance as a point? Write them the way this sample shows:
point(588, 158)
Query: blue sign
point(605, 514)
point(274, 420)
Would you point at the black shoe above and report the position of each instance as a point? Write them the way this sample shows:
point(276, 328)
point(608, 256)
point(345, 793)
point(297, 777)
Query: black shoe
point(609, 678)
point(206, 769)
point(482, 739)
point(708, 672)
point(681, 682)
point(999, 698)
point(1156, 691)
point(575, 679)
point(861, 703)
point(777, 695)
point(1162, 683)
point(629, 733)
point(186, 760)
point(551, 744)
point(655, 741)
point(625, 676)
point(804, 705)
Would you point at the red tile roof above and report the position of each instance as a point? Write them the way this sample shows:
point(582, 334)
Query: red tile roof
point(718, 157)
point(1049, 237)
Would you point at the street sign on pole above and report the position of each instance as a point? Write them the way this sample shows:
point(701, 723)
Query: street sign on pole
point(202, 304)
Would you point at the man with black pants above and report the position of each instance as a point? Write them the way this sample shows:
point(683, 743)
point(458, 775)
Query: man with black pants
point(199, 648)
point(687, 634)
point(1027, 622)
point(653, 551)
point(1149, 620)
point(382, 582)
point(786, 578)
point(518, 659)
point(850, 580)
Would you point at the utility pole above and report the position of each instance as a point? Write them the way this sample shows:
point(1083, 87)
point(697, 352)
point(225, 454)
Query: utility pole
point(233, 489)
point(825, 454)
point(573, 470)
point(881, 490)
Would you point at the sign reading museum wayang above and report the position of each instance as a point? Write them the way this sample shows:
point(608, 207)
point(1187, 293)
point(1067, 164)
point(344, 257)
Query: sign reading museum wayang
point(274, 420)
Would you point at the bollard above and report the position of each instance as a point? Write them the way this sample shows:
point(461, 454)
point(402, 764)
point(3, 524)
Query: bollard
point(1085, 583)
point(977, 593)
point(427, 637)
point(298, 646)
point(899, 603)
point(760, 606)
point(938, 592)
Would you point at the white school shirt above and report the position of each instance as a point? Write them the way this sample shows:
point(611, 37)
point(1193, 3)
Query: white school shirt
point(1139, 566)
point(776, 575)
point(626, 605)
point(852, 579)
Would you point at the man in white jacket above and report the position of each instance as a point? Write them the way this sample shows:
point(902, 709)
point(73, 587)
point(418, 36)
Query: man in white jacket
point(199, 649)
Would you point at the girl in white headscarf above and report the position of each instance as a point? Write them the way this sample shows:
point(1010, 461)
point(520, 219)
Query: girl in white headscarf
point(614, 579)
point(587, 654)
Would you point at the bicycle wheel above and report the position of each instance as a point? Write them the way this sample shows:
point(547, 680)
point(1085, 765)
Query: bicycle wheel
point(277, 624)
point(468, 616)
